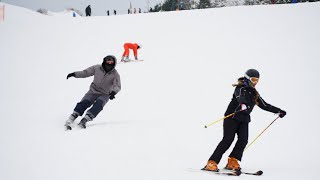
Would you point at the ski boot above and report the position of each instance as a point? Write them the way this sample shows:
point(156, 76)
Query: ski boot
point(233, 164)
point(71, 120)
point(211, 166)
point(83, 122)
point(125, 59)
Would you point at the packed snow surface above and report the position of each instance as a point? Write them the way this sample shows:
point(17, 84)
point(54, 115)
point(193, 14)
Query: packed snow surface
point(154, 128)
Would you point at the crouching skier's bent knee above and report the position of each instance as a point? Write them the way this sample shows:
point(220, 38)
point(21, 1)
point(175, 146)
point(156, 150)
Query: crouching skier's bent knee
point(106, 84)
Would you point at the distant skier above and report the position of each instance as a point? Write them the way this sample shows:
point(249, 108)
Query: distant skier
point(127, 47)
point(88, 10)
point(245, 97)
point(106, 84)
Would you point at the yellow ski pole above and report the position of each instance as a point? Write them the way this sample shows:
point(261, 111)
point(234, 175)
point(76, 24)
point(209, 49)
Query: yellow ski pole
point(261, 133)
point(219, 120)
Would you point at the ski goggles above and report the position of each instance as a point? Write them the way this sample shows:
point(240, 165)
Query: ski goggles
point(254, 80)
point(110, 60)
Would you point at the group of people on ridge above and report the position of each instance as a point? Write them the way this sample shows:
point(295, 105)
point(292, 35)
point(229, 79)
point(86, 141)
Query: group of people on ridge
point(88, 11)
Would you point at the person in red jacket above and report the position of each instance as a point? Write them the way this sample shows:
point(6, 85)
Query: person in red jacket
point(127, 47)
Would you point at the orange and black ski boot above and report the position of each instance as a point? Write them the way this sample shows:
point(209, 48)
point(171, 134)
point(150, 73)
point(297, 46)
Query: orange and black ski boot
point(211, 166)
point(233, 164)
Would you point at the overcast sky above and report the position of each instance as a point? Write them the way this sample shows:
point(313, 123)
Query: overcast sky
point(98, 7)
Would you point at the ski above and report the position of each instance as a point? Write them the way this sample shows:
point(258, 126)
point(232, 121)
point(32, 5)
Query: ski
point(224, 173)
point(71, 127)
point(258, 173)
point(131, 61)
point(68, 128)
point(247, 172)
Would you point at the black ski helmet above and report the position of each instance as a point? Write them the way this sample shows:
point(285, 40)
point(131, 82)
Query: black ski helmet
point(252, 73)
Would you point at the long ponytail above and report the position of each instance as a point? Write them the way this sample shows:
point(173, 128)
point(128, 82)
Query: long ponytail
point(239, 83)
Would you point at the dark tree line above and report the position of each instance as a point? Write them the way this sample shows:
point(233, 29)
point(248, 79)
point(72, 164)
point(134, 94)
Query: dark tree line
point(173, 5)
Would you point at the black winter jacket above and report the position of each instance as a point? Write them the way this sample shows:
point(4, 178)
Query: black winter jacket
point(88, 11)
point(247, 95)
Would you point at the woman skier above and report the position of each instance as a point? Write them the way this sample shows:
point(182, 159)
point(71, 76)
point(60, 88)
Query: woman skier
point(245, 97)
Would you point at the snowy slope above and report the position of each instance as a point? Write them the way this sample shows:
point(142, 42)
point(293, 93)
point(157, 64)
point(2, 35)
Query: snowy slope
point(154, 127)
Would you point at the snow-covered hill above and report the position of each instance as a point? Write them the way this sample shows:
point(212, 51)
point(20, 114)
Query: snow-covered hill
point(154, 127)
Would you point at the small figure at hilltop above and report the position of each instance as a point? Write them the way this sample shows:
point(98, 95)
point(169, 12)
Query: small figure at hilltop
point(88, 10)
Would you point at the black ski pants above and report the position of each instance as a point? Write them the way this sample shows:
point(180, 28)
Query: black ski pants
point(231, 127)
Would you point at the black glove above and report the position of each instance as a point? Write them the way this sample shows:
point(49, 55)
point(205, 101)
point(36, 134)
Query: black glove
point(282, 113)
point(70, 75)
point(112, 94)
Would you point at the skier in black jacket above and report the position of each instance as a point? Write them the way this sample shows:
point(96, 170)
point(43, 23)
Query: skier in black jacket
point(245, 97)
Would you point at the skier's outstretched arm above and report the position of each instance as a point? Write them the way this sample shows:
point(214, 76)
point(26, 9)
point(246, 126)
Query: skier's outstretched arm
point(268, 107)
point(85, 73)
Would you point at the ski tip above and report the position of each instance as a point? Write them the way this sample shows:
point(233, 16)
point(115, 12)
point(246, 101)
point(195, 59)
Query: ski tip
point(237, 172)
point(259, 172)
point(68, 128)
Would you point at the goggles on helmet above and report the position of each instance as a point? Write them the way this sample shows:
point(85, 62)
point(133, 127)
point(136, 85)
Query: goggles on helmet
point(254, 80)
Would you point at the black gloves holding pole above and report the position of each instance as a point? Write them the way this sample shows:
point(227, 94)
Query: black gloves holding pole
point(282, 113)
